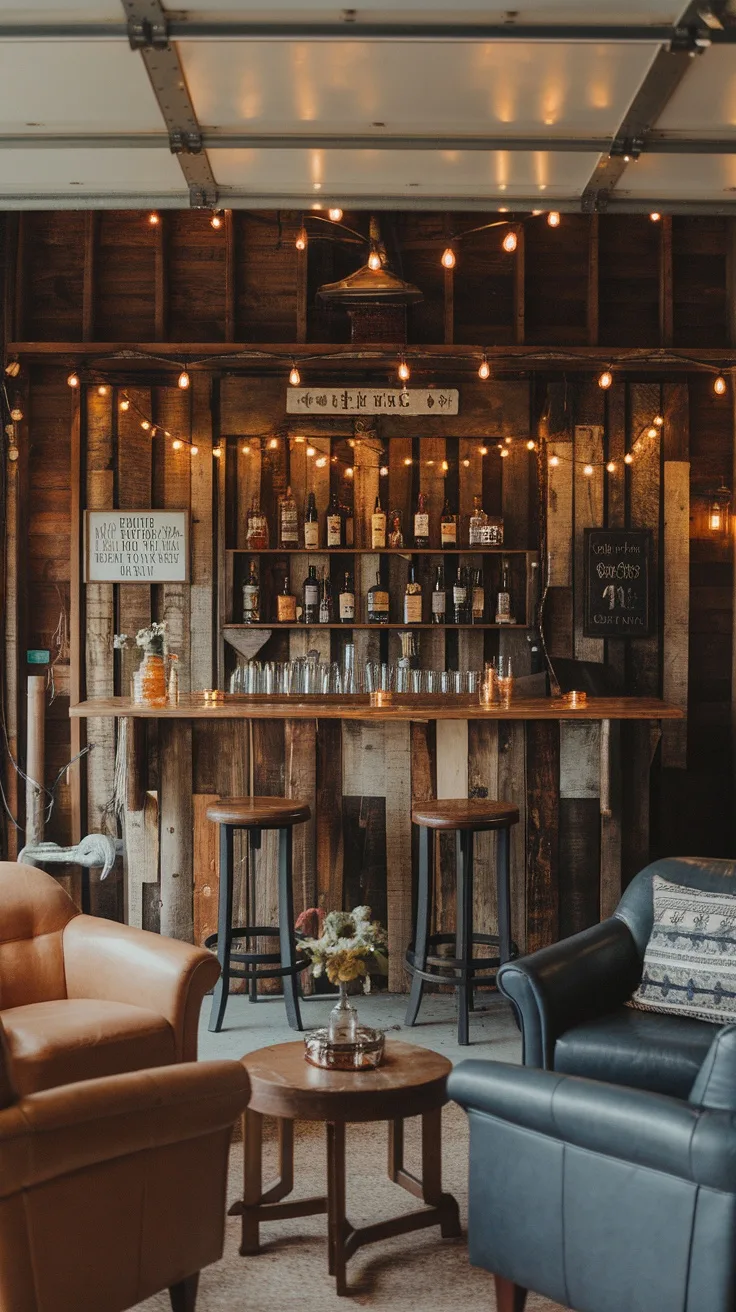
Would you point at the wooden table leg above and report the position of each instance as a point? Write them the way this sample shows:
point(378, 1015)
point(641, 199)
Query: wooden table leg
point(337, 1221)
point(432, 1175)
point(395, 1149)
point(252, 1180)
point(509, 1297)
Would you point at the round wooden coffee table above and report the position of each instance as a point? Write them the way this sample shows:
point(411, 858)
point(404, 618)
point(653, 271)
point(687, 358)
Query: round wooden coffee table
point(411, 1082)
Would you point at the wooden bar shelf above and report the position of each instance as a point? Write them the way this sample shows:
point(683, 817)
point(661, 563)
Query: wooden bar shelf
point(381, 551)
point(280, 627)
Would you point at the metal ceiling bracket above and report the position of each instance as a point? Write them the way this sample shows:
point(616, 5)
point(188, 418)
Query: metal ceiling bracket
point(203, 198)
point(691, 40)
point(167, 79)
point(143, 34)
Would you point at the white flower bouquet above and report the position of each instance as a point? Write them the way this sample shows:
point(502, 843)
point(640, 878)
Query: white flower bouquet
point(350, 946)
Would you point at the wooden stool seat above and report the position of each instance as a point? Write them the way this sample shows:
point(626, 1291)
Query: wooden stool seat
point(465, 813)
point(258, 812)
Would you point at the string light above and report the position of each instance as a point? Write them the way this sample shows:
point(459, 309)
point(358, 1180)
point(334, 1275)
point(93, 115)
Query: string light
point(407, 460)
point(720, 385)
point(311, 451)
point(245, 449)
point(16, 414)
point(466, 464)
point(510, 242)
point(531, 445)
point(301, 239)
point(652, 432)
point(445, 466)
point(658, 420)
point(177, 444)
point(295, 377)
point(404, 371)
point(349, 472)
point(12, 368)
point(273, 444)
point(194, 450)
point(588, 471)
point(504, 451)
point(217, 219)
point(145, 425)
point(183, 380)
point(553, 219)
point(321, 461)
point(103, 389)
point(655, 216)
point(154, 219)
point(73, 380)
point(448, 258)
point(611, 467)
point(484, 369)
point(628, 458)
point(554, 461)
point(483, 450)
point(217, 451)
point(605, 379)
point(335, 213)
point(374, 260)
point(383, 471)
point(125, 404)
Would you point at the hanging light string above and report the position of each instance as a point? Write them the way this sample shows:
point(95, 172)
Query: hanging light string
point(648, 433)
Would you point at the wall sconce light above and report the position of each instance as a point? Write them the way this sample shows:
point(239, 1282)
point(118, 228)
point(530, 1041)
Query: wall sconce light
point(719, 512)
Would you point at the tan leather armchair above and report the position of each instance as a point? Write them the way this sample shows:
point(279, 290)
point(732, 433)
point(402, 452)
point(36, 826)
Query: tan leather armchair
point(82, 997)
point(114, 1189)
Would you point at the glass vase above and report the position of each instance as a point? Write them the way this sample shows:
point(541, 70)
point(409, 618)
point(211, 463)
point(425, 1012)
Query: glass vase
point(342, 1026)
point(150, 680)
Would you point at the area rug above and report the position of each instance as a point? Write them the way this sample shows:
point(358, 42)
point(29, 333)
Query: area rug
point(411, 1273)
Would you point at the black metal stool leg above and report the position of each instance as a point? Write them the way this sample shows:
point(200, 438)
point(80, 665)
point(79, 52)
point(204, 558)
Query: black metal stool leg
point(503, 885)
point(464, 929)
point(254, 845)
point(424, 906)
point(224, 928)
point(286, 930)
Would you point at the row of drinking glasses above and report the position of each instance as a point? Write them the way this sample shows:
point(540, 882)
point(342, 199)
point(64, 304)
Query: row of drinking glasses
point(309, 675)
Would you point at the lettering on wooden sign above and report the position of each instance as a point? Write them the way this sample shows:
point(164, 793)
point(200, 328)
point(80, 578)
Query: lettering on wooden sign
point(618, 583)
point(137, 546)
point(372, 400)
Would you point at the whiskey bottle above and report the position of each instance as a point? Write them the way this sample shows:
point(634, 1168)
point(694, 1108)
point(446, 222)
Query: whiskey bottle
point(460, 597)
point(348, 531)
point(412, 599)
point(448, 527)
point(310, 597)
point(288, 522)
point(334, 523)
point(346, 600)
point(286, 604)
point(439, 598)
point(311, 524)
point(478, 599)
point(256, 534)
point(504, 613)
point(396, 536)
point(325, 601)
point(478, 525)
point(421, 522)
point(251, 597)
point(378, 611)
point(378, 527)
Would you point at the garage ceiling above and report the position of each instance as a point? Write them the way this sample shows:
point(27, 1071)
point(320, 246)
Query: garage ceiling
point(626, 106)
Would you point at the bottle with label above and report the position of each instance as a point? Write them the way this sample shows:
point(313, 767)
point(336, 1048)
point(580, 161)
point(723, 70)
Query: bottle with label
point(412, 599)
point(286, 604)
point(460, 597)
point(378, 603)
point(396, 535)
point(325, 601)
point(478, 534)
point(346, 600)
point(310, 596)
point(311, 524)
point(478, 598)
point(448, 526)
point(439, 598)
point(256, 533)
point(288, 522)
point(504, 613)
point(334, 523)
point(421, 522)
point(251, 597)
point(378, 527)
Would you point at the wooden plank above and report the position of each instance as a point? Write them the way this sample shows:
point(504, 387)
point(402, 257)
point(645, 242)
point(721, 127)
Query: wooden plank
point(268, 776)
point(519, 288)
point(302, 269)
point(329, 822)
point(611, 835)
point(644, 483)
point(206, 868)
point(201, 619)
point(230, 259)
point(588, 492)
point(560, 514)
point(542, 834)
point(300, 746)
point(160, 280)
point(397, 755)
point(448, 303)
point(140, 859)
point(579, 759)
point(512, 788)
point(91, 219)
point(666, 301)
point(78, 731)
point(515, 490)
point(675, 633)
point(366, 487)
point(483, 782)
point(14, 493)
point(174, 414)
point(592, 306)
point(580, 854)
point(452, 781)
point(177, 879)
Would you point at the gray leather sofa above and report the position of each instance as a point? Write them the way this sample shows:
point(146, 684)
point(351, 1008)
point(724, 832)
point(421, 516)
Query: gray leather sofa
point(605, 1199)
point(569, 998)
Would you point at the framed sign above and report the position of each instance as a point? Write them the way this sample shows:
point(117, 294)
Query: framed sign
point(618, 583)
point(372, 401)
point(136, 546)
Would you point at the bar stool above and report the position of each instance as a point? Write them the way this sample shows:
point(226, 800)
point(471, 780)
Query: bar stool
point(255, 814)
point(468, 818)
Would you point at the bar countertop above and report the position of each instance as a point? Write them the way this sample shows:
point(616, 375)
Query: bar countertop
point(418, 707)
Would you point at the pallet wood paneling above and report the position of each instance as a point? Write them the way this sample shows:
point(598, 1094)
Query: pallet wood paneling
point(542, 834)
point(588, 494)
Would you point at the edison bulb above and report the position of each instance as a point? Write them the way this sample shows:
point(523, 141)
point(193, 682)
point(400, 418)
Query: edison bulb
point(16, 414)
point(301, 239)
point(605, 379)
point(374, 261)
point(448, 258)
point(658, 420)
point(216, 220)
point(611, 467)
point(183, 380)
point(655, 216)
point(73, 380)
point(311, 451)
point(273, 444)
point(103, 389)
point(588, 471)
point(194, 450)
point(483, 450)
point(553, 219)
point(145, 425)
point(335, 213)
point(510, 242)
point(554, 461)
point(321, 461)
point(125, 404)
point(349, 472)
point(295, 377)
point(404, 371)
point(154, 219)
point(719, 386)
point(651, 432)
point(628, 458)
point(217, 452)
point(531, 445)
point(484, 369)
point(504, 451)
point(177, 444)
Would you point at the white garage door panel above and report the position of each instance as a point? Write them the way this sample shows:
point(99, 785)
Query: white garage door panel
point(705, 101)
point(681, 177)
point(60, 86)
point(78, 172)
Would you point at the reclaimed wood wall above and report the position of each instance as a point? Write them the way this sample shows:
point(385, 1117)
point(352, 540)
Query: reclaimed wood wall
point(76, 282)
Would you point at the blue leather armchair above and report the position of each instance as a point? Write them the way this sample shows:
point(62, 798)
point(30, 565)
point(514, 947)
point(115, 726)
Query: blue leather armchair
point(569, 998)
point(605, 1199)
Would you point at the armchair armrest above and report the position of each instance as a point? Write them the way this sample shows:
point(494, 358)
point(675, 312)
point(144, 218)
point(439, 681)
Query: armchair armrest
point(59, 1131)
point(118, 963)
point(631, 1125)
point(568, 983)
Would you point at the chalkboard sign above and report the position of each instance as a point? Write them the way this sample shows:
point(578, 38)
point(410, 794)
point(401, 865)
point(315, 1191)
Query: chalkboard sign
point(137, 546)
point(618, 584)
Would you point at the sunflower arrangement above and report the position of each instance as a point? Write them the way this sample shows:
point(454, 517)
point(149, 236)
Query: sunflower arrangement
point(350, 946)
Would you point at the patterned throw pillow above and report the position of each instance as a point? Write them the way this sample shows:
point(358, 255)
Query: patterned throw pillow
point(690, 959)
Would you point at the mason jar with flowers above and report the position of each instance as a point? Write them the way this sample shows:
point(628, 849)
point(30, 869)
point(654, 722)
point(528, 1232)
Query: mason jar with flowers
point(349, 946)
point(149, 681)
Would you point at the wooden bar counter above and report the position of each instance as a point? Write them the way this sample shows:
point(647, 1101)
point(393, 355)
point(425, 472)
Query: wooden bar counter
point(361, 766)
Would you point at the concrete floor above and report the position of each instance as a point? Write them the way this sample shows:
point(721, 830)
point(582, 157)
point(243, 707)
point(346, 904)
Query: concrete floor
point(493, 1033)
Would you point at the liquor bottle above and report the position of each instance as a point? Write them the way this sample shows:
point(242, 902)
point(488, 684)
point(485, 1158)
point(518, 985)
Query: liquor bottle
point(439, 598)
point(286, 604)
point(325, 601)
point(421, 522)
point(334, 523)
point(378, 527)
point(478, 524)
point(311, 524)
point(256, 534)
point(378, 612)
point(346, 600)
point(310, 597)
point(288, 522)
point(478, 599)
point(460, 597)
point(348, 530)
point(412, 599)
point(251, 597)
point(448, 526)
point(504, 614)
point(396, 536)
